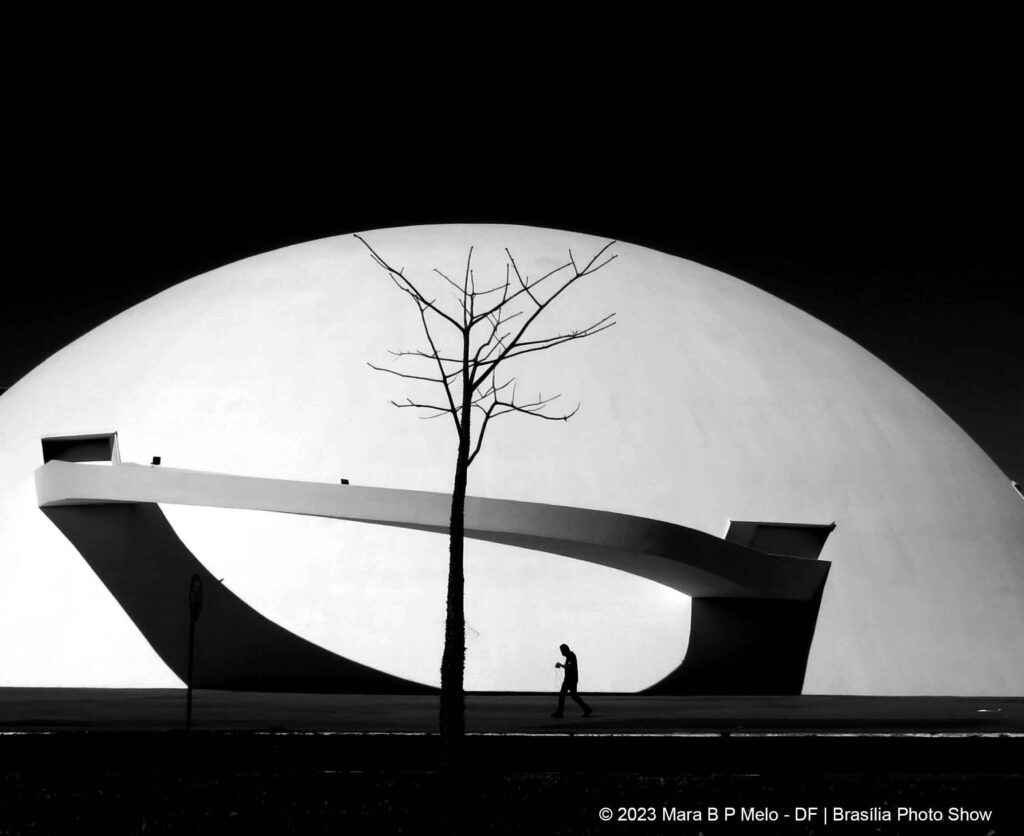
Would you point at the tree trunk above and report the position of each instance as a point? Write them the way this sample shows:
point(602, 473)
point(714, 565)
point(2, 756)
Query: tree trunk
point(453, 661)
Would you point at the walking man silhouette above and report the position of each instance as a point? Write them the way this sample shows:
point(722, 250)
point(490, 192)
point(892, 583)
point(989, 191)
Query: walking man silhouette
point(569, 683)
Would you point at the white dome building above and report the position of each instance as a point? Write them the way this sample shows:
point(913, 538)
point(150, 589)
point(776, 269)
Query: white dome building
point(709, 402)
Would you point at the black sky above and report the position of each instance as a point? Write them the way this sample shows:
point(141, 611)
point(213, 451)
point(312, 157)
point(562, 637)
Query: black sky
point(906, 240)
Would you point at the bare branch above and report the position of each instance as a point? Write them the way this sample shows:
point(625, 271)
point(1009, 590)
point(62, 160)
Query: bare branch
point(440, 366)
point(477, 367)
point(499, 407)
point(496, 320)
point(402, 374)
point(522, 283)
point(558, 339)
point(423, 355)
point(443, 276)
point(460, 296)
point(539, 345)
point(493, 391)
point(534, 410)
point(411, 405)
point(499, 342)
point(432, 417)
point(480, 438)
point(533, 285)
point(576, 333)
point(465, 288)
point(494, 289)
point(597, 255)
point(604, 263)
point(408, 286)
point(540, 308)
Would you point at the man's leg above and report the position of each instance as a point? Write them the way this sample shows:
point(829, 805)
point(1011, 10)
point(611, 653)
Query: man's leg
point(587, 710)
point(561, 702)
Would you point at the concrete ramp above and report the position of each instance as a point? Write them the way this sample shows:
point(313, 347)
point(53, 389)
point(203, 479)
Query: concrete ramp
point(751, 626)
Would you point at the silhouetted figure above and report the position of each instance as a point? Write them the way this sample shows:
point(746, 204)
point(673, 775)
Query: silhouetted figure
point(572, 678)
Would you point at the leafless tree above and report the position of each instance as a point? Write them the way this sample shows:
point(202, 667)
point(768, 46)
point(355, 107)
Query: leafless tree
point(486, 330)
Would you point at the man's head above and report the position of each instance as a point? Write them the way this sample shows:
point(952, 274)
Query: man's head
point(564, 648)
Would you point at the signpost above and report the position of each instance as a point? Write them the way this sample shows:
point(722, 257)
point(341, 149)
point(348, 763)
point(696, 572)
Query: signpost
point(195, 605)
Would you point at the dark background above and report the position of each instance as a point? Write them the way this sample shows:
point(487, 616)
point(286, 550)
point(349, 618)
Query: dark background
point(897, 225)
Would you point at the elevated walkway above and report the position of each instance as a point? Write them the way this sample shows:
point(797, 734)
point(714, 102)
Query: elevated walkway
point(747, 603)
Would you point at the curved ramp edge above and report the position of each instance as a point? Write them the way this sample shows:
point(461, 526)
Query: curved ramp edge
point(690, 561)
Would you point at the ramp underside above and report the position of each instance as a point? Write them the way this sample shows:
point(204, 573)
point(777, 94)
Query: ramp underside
point(136, 553)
